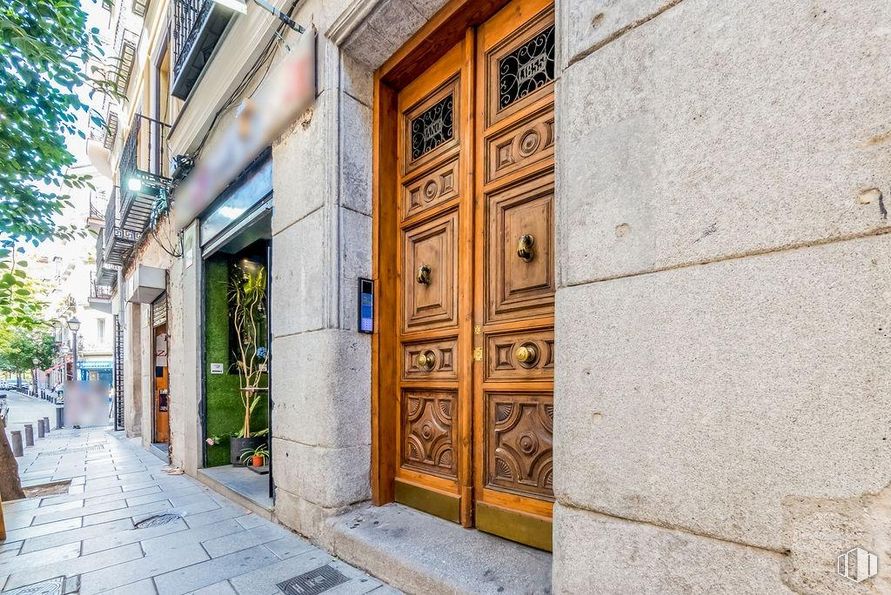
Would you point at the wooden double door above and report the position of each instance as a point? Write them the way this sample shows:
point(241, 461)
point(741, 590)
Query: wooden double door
point(475, 268)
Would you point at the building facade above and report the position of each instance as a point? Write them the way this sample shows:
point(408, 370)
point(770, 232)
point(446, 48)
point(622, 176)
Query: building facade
point(607, 280)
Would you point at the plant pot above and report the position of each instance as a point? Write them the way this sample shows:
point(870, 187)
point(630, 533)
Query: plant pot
point(237, 447)
point(256, 461)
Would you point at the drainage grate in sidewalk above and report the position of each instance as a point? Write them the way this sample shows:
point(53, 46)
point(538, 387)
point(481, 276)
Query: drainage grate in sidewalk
point(158, 520)
point(313, 582)
point(53, 586)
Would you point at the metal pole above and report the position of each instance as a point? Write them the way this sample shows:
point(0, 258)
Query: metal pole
point(74, 358)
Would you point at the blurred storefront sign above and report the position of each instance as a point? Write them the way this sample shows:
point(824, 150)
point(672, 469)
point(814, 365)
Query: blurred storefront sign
point(285, 94)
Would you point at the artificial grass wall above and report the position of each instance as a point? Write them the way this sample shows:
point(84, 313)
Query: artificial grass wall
point(225, 414)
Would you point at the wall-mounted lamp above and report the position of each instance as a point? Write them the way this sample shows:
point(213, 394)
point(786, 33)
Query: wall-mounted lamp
point(241, 7)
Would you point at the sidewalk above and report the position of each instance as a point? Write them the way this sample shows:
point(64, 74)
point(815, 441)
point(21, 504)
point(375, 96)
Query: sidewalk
point(124, 525)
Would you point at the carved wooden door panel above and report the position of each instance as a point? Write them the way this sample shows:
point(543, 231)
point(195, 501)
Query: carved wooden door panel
point(435, 165)
point(475, 279)
point(514, 305)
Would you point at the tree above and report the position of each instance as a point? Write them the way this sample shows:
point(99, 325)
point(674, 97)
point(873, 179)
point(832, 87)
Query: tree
point(46, 53)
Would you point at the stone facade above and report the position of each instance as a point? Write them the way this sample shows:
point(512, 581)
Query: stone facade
point(723, 281)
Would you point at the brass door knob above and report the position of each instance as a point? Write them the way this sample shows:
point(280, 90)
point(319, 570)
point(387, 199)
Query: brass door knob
point(424, 274)
point(426, 360)
point(525, 248)
point(527, 354)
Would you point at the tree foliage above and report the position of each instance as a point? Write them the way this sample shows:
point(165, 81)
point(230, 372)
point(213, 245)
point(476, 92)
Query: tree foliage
point(19, 348)
point(45, 55)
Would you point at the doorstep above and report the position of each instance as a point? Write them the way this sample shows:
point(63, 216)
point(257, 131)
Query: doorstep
point(239, 484)
point(420, 553)
point(159, 449)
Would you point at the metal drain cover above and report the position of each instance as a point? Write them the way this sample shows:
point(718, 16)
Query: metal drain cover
point(54, 586)
point(313, 582)
point(158, 520)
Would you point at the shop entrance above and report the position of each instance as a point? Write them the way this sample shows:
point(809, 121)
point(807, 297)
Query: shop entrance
point(160, 378)
point(236, 241)
point(468, 254)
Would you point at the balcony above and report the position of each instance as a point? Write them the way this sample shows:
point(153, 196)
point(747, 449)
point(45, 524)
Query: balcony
point(100, 295)
point(197, 27)
point(143, 171)
point(95, 217)
point(125, 43)
point(116, 244)
point(140, 7)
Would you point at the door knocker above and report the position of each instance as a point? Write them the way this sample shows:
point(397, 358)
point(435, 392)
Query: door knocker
point(524, 248)
point(426, 360)
point(527, 355)
point(424, 274)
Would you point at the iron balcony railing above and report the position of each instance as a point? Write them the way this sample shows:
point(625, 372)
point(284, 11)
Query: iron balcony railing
point(99, 291)
point(197, 27)
point(143, 169)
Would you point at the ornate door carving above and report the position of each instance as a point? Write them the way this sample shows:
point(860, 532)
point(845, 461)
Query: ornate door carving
point(474, 202)
point(514, 312)
point(435, 218)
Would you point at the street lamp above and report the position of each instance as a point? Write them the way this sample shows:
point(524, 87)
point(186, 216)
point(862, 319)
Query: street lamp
point(74, 326)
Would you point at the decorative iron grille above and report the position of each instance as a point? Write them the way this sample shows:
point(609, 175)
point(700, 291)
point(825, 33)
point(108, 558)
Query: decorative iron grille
point(187, 18)
point(118, 374)
point(144, 156)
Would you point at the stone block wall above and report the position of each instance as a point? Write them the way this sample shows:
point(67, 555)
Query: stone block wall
point(321, 420)
point(720, 219)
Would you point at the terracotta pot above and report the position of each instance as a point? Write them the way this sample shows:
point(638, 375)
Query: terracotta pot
point(237, 446)
point(256, 461)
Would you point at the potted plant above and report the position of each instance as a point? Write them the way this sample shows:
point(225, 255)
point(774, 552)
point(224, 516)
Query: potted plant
point(257, 456)
point(247, 301)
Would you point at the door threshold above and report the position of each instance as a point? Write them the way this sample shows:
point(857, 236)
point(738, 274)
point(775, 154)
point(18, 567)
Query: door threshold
point(420, 553)
point(239, 484)
point(159, 449)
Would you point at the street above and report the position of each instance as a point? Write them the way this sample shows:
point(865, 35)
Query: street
point(124, 525)
point(25, 410)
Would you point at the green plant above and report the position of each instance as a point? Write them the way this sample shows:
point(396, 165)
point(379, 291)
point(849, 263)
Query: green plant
point(249, 453)
point(247, 301)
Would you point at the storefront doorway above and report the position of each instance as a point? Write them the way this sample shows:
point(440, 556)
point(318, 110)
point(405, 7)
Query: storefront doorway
point(160, 377)
point(236, 239)
point(465, 264)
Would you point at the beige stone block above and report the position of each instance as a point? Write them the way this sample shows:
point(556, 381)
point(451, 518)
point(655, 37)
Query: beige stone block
point(586, 26)
point(355, 237)
point(299, 275)
point(328, 477)
point(722, 128)
point(599, 554)
point(355, 150)
point(303, 161)
point(321, 387)
point(703, 397)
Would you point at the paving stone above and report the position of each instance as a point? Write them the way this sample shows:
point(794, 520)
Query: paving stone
point(172, 558)
point(21, 505)
point(288, 547)
point(103, 531)
point(244, 539)
point(263, 581)
point(251, 520)
point(210, 572)
point(131, 535)
point(195, 536)
point(225, 512)
point(83, 511)
point(143, 587)
point(81, 565)
point(51, 555)
point(221, 588)
point(28, 532)
point(133, 512)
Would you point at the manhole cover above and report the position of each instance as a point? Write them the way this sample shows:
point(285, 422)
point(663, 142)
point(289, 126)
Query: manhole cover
point(313, 582)
point(54, 586)
point(157, 520)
